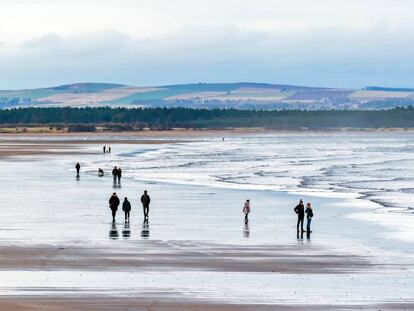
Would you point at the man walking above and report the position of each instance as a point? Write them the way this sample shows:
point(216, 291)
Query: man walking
point(113, 205)
point(145, 200)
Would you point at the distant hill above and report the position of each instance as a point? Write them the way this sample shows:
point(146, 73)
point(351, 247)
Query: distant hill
point(243, 95)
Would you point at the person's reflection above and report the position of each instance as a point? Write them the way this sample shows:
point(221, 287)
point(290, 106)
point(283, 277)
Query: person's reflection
point(113, 232)
point(308, 234)
point(116, 185)
point(300, 235)
point(246, 230)
point(145, 232)
point(126, 232)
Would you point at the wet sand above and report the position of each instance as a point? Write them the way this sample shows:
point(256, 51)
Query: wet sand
point(145, 304)
point(59, 250)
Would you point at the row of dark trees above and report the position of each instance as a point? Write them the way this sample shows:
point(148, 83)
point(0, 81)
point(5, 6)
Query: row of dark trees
point(217, 118)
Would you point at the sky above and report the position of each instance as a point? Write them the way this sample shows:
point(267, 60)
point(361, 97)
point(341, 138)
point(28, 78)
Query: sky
point(346, 44)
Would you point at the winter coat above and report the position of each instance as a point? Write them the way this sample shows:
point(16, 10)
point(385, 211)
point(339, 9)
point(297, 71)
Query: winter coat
point(246, 208)
point(126, 206)
point(114, 202)
point(309, 212)
point(145, 200)
point(300, 210)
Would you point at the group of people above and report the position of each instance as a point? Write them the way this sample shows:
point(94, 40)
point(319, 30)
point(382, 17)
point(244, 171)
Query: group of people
point(106, 150)
point(117, 174)
point(300, 210)
point(114, 202)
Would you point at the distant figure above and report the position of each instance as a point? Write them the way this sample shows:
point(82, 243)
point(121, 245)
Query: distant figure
point(115, 173)
point(100, 172)
point(104, 149)
point(77, 169)
point(119, 175)
point(113, 205)
point(246, 211)
point(300, 211)
point(309, 215)
point(109, 149)
point(126, 207)
point(145, 200)
point(223, 138)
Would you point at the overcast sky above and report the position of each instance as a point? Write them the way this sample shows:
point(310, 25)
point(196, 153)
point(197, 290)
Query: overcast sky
point(348, 43)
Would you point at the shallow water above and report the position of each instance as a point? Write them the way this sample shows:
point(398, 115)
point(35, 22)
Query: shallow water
point(198, 190)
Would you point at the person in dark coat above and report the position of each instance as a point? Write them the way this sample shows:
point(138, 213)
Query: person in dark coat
point(145, 200)
point(104, 149)
point(113, 205)
point(77, 166)
point(119, 175)
point(115, 173)
point(126, 207)
point(309, 215)
point(300, 211)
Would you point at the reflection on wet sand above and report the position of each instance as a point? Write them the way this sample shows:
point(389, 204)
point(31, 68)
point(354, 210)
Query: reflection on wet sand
point(145, 232)
point(126, 232)
point(246, 231)
point(113, 232)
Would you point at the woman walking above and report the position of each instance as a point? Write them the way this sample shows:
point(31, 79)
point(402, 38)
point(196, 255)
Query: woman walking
point(309, 215)
point(246, 211)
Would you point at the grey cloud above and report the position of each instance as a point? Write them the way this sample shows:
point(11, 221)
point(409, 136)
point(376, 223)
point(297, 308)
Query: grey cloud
point(327, 57)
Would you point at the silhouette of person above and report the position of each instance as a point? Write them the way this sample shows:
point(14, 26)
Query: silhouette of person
point(145, 232)
point(145, 200)
point(115, 174)
point(126, 207)
point(109, 149)
point(309, 215)
point(119, 175)
point(113, 232)
point(77, 166)
point(104, 149)
point(246, 211)
point(300, 211)
point(113, 205)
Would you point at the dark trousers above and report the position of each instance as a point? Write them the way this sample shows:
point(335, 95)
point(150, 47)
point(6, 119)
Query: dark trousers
point(113, 214)
point(126, 215)
point(146, 211)
point(300, 221)
point(119, 179)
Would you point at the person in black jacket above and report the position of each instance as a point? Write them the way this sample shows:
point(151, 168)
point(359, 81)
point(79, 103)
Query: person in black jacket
point(119, 175)
point(113, 205)
point(115, 173)
point(309, 215)
point(300, 211)
point(126, 207)
point(145, 200)
point(77, 166)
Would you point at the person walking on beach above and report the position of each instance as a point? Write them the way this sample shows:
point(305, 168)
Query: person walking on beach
point(77, 166)
point(300, 211)
point(309, 215)
point(119, 175)
point(113, 205)
point(104, 149)
point(109, 149)
point(115, 173)
point(126, 207)
point(246, 211)
point(145, 200)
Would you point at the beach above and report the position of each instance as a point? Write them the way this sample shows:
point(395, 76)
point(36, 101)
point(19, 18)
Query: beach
point(60, 250)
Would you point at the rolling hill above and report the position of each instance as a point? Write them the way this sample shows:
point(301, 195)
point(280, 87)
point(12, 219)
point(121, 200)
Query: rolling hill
point(209, 95)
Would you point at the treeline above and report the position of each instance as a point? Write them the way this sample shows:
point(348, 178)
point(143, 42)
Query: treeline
point(164, 118)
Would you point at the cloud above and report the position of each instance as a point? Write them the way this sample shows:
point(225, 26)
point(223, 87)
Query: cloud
point(334, 56)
